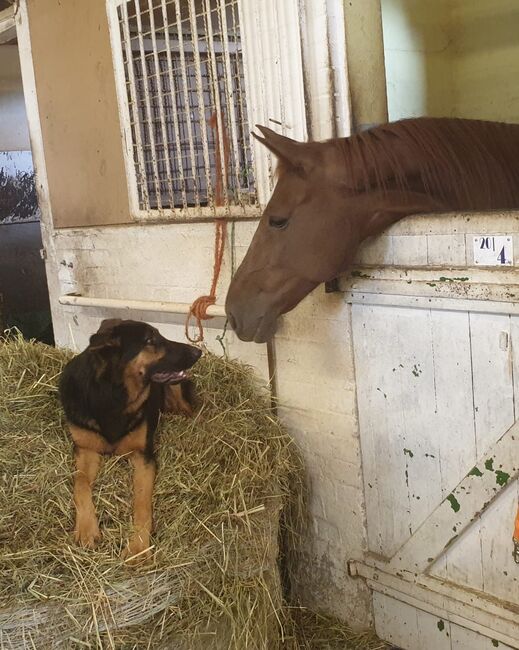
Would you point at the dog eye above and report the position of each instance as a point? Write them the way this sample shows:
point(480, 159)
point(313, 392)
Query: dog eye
point(149, 341)
point(278, 223)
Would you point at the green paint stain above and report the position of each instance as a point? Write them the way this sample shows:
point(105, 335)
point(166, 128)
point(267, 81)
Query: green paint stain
point(495, 643)
point(431, 284)
point(475, 472)
point(489, 464)
point(408, 452)
point(441, 625)
point(444, 279)
point(502, 477)
point(455, 505)
point(358, 274)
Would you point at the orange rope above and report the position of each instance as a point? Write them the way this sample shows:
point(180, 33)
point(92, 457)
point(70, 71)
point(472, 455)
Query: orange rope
point(198, 309)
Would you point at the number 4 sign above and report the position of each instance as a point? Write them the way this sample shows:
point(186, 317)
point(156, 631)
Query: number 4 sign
point(493, 250)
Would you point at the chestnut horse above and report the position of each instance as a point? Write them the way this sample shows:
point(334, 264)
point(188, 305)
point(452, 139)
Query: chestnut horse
point(330, 196)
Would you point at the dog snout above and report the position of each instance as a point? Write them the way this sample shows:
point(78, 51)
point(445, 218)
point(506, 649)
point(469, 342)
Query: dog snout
point(195, 353)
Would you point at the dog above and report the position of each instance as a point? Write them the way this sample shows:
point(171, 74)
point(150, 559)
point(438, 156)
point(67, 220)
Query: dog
point(112, 394)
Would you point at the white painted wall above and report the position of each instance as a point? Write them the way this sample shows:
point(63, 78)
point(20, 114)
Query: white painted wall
point(14, 133)
point(417, 50)
point(455, 58)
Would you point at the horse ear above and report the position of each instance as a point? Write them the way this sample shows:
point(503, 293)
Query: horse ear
point(290, 152)
point(106, 336)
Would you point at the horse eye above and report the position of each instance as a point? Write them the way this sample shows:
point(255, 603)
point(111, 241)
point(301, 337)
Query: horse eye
point(275, 222)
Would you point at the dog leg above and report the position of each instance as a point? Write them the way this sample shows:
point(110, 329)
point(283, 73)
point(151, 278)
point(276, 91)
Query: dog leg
point(143, 482)
point(174, 401)
point(86, 532)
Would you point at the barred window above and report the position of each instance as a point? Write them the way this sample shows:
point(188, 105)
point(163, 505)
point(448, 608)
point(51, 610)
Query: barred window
point(183, 106)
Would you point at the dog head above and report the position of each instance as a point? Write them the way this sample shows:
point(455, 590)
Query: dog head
point(142, 352)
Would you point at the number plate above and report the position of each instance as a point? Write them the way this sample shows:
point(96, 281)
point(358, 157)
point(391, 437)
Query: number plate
point(493, 250)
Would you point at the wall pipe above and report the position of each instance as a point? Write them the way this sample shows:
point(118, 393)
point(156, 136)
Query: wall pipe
point(161, 306)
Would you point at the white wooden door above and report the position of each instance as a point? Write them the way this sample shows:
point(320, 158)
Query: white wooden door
point(438, 399)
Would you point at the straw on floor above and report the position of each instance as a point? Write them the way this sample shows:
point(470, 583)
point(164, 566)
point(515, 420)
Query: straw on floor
point(224, 481)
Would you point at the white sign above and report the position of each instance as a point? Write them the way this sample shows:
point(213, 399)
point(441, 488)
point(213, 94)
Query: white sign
point(493, 250)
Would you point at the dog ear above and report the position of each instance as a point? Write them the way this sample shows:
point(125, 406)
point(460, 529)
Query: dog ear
point(106, 336)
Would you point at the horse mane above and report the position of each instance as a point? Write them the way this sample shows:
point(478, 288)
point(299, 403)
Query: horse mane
point(468, 164)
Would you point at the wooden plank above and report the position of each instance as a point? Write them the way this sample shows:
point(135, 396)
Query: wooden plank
point(500, 572)
point(493, 414)
point(410, 628)
point(461, 508)
point(514, 334)
point(464, 639)
point(447, 602)
point(381, 427)
point(7, 25)
point(380, 297)
point(454, 408)
point(413, 383)
point(396, 622)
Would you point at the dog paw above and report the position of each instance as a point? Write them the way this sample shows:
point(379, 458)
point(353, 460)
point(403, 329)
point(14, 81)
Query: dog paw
point(87, 533)
point(137, 551)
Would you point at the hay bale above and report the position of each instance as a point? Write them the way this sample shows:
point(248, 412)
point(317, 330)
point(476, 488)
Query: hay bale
point(224, 479)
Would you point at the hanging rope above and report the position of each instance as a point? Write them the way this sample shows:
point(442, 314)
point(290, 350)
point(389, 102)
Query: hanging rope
point(198, 309)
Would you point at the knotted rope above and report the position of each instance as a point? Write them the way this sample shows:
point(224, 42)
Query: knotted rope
point(198, 309)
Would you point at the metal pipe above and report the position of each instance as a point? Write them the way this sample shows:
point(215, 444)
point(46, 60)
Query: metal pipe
point(136, 305)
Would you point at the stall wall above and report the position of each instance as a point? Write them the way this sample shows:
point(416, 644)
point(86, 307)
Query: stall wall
point(456, 58)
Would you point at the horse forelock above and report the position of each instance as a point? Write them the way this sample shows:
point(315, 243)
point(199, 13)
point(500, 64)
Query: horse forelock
point(470, 164)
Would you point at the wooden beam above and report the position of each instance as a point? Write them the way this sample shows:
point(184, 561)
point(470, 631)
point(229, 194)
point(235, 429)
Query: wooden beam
point(7, 25)
point(459, 605)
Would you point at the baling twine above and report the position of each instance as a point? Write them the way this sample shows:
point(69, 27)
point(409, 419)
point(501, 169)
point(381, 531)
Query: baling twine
point(198, 309)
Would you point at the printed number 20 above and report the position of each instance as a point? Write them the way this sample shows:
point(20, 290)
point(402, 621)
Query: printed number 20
point(486, 243)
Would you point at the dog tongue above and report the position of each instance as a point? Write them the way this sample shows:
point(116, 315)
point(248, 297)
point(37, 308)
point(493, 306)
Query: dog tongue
point(168, 377)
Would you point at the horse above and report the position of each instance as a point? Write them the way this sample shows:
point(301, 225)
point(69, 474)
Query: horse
point(332, 195)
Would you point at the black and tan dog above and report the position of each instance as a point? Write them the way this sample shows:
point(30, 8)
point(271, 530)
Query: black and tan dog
point(112, 394)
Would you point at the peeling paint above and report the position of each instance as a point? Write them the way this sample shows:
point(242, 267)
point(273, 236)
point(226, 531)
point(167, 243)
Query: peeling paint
point(475, 471)
point(416, 370)
point(489, 464)
point(502, 477)
point(441, 625)
point(455, 505)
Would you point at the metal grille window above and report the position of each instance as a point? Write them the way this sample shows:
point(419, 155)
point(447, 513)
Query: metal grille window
point(181, 88)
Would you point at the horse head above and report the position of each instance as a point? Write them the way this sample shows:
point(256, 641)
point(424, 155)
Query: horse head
point(332, 195)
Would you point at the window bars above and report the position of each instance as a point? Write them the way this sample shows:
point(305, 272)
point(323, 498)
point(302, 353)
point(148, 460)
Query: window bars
point(182, 97)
